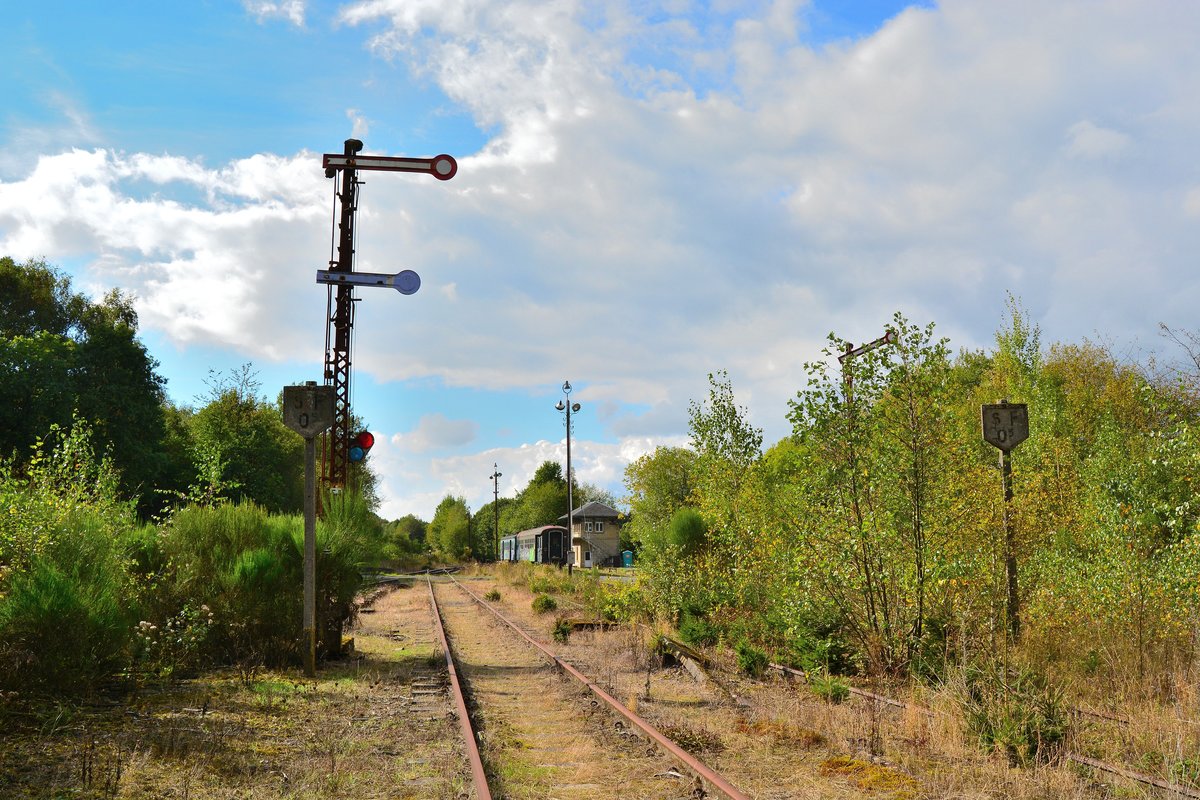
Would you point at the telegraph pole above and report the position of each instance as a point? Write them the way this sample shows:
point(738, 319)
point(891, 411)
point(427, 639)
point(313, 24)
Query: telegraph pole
point(569, 545)
point(495, 476)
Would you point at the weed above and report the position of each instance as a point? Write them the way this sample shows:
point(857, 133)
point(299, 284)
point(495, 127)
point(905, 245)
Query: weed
point(694, 740)
point(544, 604)
point(828, 688)
point(871, 777)
point(1186, 771)
point(493, 596)
point(696, 630)
point(805, 738)
point(750, 659)
point(562, 631)
point(542, 584)
point(1016, 711)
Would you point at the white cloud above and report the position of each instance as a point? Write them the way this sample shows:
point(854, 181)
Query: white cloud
point(664, 194)
point(217, 267)
point(1085, 139)
point(437, 432)
point(360, 127)
point(290, 10)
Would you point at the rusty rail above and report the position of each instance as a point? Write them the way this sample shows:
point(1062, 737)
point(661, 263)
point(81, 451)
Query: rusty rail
point(695, 766)
point(478, 775)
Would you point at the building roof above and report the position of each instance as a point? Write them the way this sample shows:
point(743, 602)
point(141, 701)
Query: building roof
point(593, 510)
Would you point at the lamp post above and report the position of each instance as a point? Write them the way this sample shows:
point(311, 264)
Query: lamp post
point(495, 476)
point(567, 406)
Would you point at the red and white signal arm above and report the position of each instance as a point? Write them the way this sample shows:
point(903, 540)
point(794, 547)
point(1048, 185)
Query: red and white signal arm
point(442, 167)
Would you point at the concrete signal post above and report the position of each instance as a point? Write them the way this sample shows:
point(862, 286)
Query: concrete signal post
point(1006, 425)
point(309, 411)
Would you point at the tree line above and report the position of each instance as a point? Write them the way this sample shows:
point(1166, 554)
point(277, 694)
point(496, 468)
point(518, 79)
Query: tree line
point(456, 533)
point(140, 540)
point(871, 538)
point(64, 357)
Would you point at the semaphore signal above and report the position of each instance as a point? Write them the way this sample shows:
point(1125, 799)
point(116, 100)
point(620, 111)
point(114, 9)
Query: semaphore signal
point(341, 279)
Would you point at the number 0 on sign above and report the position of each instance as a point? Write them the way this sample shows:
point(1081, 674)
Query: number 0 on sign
point(1005, 425)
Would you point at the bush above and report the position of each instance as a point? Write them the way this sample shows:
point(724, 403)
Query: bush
point(176, 649)
point(624, 602)
point(542, 584)
point(751, 660)
point(67, 599)
point(1016, 712)
point(544, 604)
point(562, 631)
point(493, 596)
point(248, 567)
point(828, 688)
point(687, 530)
point(61, 634)
point(695, 630)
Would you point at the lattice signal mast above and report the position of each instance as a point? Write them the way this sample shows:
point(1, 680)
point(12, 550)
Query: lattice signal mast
point(342, 279)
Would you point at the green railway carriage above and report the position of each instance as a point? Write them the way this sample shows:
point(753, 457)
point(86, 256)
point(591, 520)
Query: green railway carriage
point(543, 545)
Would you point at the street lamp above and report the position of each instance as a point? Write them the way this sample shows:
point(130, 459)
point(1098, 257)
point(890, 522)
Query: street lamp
point(567, 406)
point(495, 476)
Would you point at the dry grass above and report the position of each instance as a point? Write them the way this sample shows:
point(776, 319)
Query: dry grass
point(374, 727)
point(541, 736)
point(358, 731)
point(775, 737)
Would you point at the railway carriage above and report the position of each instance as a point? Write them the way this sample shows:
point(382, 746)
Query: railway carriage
point(543, 545)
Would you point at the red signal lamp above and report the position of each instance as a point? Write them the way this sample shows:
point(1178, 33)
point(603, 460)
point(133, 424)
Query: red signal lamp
point(360, 445)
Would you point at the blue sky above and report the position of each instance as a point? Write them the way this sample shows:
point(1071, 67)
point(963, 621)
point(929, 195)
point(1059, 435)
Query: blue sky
point(647, 192)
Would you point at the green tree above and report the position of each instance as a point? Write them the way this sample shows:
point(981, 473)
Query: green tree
point(37, 299)
point(37, 388)
point(657, 484)
point(63, 353)
point(591, 493)
point(726, 446)
point(450, 529)
point(484, 524)
point(260, 459)
point(411, 528)
point(877, 445)
point(541, 502)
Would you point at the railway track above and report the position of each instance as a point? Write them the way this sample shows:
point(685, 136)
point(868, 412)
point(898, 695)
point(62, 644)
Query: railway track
point(778, 742)
point(536, 726)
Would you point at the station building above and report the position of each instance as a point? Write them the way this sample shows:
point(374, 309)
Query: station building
point(595, 535)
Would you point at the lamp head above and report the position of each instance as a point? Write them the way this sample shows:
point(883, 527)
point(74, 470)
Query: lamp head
point(576, 407)
point(560, 405)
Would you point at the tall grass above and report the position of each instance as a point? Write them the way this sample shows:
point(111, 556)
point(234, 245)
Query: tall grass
point(67, 602)
point(88, 593)
point(248, 566)
point(60, 634)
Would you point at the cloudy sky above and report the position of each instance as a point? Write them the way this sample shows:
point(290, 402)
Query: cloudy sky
point(647, 192)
